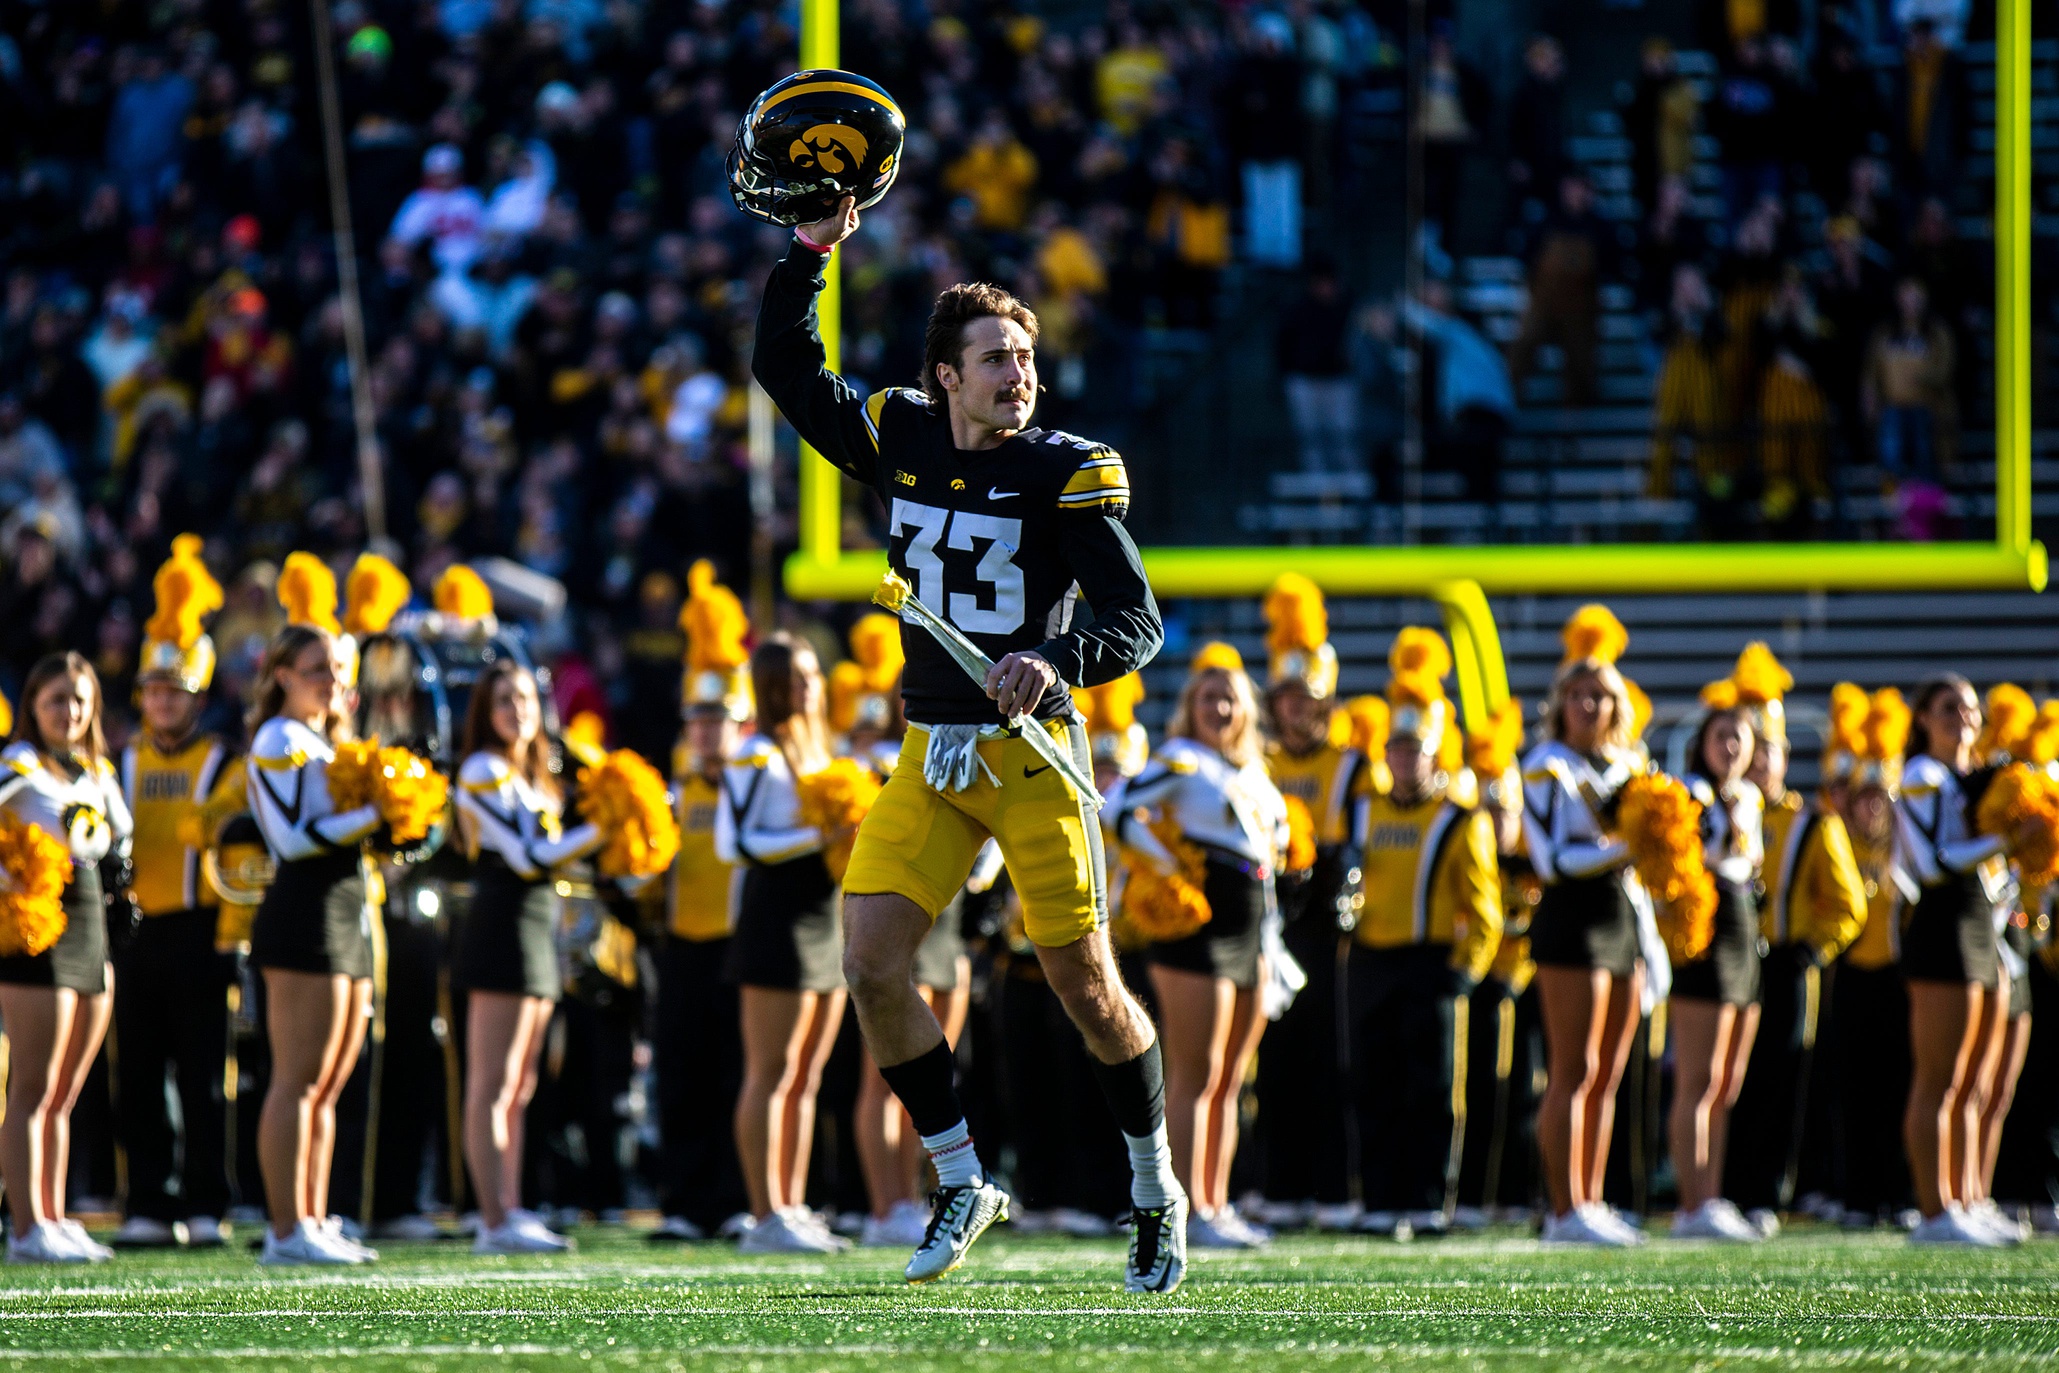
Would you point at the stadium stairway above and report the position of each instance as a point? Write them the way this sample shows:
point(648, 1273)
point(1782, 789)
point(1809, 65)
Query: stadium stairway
point(1678, 643)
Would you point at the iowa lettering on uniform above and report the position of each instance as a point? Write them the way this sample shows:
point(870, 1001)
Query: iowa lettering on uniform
point(164, 786)
point(1301, 788)
point(1394, 836)
point(700, 818)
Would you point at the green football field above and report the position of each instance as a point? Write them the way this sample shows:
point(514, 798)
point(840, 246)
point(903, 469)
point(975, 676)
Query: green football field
point(1808, 1300)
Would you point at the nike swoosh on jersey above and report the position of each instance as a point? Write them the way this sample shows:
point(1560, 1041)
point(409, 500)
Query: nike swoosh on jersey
point(995, 493)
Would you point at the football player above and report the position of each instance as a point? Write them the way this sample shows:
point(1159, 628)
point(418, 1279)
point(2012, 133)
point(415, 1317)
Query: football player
point(1001, 527)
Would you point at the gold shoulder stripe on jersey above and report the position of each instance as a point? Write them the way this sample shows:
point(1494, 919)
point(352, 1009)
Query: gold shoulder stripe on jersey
point(874, 404)
point(291, 761)
point(1097, 476)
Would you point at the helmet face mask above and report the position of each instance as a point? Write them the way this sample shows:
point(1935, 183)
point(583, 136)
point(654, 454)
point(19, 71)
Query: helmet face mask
point(810, 140)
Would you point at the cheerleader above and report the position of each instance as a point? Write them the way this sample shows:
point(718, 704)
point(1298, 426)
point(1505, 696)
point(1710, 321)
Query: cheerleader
point(506, 959)
point(1585, 934)
point(1952, 961)
point(311, 937)
point(1715, 1002)
point(1871, 1036)
point(56, 1003)
point(1210, 779)
point(785, 954)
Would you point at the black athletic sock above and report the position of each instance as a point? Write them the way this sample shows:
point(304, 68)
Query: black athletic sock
point(928, 1087)
point(1135, 1091)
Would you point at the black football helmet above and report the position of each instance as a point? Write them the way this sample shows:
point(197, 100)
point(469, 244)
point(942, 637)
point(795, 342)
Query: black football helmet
point(810, 140)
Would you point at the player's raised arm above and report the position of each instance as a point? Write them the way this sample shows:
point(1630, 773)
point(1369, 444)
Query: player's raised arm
point(1126, 631)
point(789, 361)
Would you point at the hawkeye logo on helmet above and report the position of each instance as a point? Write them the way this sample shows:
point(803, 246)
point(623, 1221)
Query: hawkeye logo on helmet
point(835, 148)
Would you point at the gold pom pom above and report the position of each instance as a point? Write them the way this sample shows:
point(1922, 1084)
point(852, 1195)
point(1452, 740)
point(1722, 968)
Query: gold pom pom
point(1492, 752)
point(714, 622)
point(1216, 656)
point(373, 593)
point(838, 797)
point(1594, 634)
point(186, 592)
point(1110, 708)
point(307, 589)
point(1300, 855)
point(1298, 618)
point(1661, 824)
point(1419, 652)
point(1166, 906)
point(2021, 805)
point(6, 715)
point(2010, 714)
point(409, 794)
point(461, 594)
point(2043, 744)
point(625, 798)
point(586, 738)
point(34, 868)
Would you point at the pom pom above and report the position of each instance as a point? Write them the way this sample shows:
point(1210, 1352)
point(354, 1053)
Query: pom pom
point(1661, 824)
point(307, 589)
point(1110, 708)
point(1165, 906)
point(34, 869)
point(1594, 634)
point(2043, 744)
point(1492, 752)
point(1887, 725)
point(187, 593)
point(1298, 618)
point(462, 595)
point(1216, 657)
point(2021, 805)
point(1721, 695)
point(1419, 652)
point(1640, 709)
point(6, 715)
point(408, 793)
point(1300, 855)
point(1759, 676)
point(2010, 715)
point(837, 797)
point(373, 593)
point(1365, 721)
point(714, 622)
point(586, 738)
point(625, 798)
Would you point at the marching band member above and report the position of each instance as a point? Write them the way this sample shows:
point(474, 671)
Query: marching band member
point(1209, 780)
point(1300, 1077)
point(1715, 1002)
point(1951, 959)
point(1428, 932)
point(1812, 907)
point(509, 812)
point(785, 954)
point(1864, 759)
point(311, 937)
point(171, 995)
point(1585, 935)
point(698, 1044)
point(55, 1001)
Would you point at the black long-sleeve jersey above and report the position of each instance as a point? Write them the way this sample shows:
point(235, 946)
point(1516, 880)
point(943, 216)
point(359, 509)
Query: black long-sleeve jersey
point(1001, 542)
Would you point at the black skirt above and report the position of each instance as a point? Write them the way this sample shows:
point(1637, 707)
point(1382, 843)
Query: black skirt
point(788, 936)
point(508, 942)
point(1950, 936)
point(78, 960)
point(313, 919)
point(937, 957)
point(2018, 938)
point(1227, 946)
point(1586, 922)
point(1728, 970)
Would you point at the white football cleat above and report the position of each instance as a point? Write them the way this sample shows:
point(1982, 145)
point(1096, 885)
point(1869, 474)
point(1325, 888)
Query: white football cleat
point(958, 1216)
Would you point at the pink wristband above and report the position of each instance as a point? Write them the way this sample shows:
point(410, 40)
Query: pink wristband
point(812, 246)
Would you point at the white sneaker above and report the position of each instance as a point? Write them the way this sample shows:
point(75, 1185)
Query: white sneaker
point(511, 1238)
point(205, 1232)
point(1237, 1223)
point(902, 1227)
point(1608, 1220)
point(1219, 1231)
point(44, 1243)
point(675, 1229)
point(958, 1216)
point(1081, 1225)
point(814, 1222)
point(1990, 1217)
point(75, 1235)
point(1337, 1215)
point(145, 1232)
point(783, 1232)
point(1763, 1219)
point(1580, 1226)
point(307, 1244)
point(736, 1227)
point(1708, 1222)
point(533, 1222)
point(1951, 1228)
point(344, 1236)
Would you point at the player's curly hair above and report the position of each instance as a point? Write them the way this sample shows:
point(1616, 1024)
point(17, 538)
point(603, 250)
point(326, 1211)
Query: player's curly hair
point(957, 306)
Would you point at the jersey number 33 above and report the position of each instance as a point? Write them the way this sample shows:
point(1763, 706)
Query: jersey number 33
point(935, 534)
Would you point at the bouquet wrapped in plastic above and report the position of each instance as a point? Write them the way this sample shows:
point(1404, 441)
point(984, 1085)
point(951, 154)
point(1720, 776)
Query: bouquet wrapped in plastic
point(625, 798)
point(838, 797)
point(2021, 804)
point(1161, 905)
point(1660, 821)
point(34, 869)
point(409, 793)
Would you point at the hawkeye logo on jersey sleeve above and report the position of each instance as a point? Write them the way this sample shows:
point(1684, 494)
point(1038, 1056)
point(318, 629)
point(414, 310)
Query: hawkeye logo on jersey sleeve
point(957, 483)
